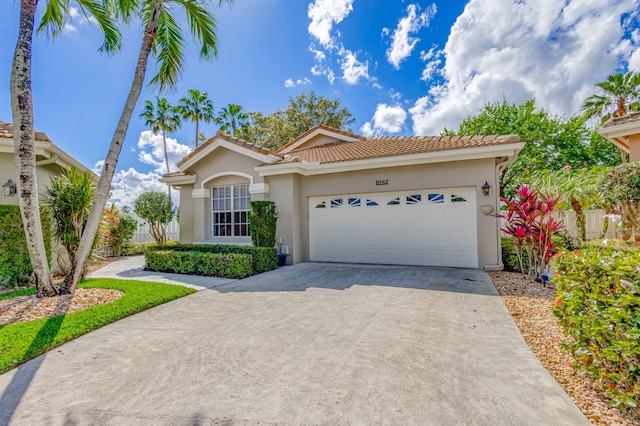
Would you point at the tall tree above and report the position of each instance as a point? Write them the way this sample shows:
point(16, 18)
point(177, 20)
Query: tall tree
point(55, 16)
point(551, 142)
point(302, 113)
point(196, 107)
point(620, 95)
point(161, 117)
point(164, 38)
point(231, 118)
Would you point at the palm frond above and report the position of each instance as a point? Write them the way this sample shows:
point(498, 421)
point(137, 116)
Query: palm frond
point(168, 48)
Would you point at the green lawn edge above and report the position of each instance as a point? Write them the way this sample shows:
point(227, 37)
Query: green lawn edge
point(22, 342)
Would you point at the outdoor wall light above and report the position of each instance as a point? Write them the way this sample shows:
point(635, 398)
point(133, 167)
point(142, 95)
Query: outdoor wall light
point(486, 188)
point(10, 188)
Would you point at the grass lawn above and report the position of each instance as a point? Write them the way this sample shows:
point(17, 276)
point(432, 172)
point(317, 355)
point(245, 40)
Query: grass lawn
point(21, 342)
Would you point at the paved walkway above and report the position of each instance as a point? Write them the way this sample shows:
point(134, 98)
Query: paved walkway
point(306, 344)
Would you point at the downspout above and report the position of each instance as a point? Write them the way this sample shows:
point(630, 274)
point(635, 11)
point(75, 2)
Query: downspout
point(500, 166)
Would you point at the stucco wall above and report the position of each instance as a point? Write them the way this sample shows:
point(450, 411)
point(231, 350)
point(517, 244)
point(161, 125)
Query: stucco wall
point(8, 171)
point(221, 167)
point(291, 196)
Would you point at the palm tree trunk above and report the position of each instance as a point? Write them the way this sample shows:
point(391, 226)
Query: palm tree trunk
point(166, 156)
point(581, 223)
point(197, 132)
point(104, 184)
point(25, 153)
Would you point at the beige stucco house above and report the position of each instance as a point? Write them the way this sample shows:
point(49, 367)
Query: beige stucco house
point(51, 160)
point(341, 197)
point(624, 132)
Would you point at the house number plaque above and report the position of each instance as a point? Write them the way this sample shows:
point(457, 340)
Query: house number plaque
point(382, 182)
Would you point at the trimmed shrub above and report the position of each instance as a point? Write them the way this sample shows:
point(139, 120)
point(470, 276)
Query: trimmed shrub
point(229, 265)
point(262, 223)
point(598, 304)
point(137, 249)
point(13, 246)
point(263, 258)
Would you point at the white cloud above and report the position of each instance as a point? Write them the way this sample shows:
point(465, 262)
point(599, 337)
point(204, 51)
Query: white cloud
point(402, 43)
point(395, 95)
point(432, 59)
point(317, 70)
point(75, 15)
point(152, 151)
point(127, 185)
point(386, 119)
point(553, 51)
point(288, 83)
point(318, 55)
point(352, 69)
point(324, 14)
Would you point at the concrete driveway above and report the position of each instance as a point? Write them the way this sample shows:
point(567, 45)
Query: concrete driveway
point(306, 344)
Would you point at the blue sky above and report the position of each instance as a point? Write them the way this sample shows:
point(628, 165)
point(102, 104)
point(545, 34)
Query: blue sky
point(402, 67)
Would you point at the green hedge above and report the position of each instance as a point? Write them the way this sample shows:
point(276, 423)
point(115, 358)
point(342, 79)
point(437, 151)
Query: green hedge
point(230, 265)
point(13, 246)
point(263, 258)
point(598, 303)
point(136, 249)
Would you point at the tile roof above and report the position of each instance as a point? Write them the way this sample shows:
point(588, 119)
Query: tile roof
point(6, 131)
point(177, 174)
point(320, 126)
point(228, 138)
point(627, 118)
point(390, 146)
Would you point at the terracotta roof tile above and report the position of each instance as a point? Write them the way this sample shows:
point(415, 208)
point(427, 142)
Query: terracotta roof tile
point(390, 146)
point(319, 126)
point(228, 138)
point(6, 131)
point(627, 118)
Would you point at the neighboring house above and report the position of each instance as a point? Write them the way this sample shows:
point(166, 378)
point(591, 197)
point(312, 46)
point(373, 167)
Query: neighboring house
point(51, 160)
point(624, 132)
point(415, 200)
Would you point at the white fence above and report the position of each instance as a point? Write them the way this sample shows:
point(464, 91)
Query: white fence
point(593, 225)
point(142, 234)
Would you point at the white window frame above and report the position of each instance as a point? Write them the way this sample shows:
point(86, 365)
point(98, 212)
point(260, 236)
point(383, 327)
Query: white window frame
point(235, 206)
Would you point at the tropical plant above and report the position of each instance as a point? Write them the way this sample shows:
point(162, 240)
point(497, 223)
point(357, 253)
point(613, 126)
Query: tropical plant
point(117, 228)
point(157, 209)
point(302, 113)
point(164, 38)
point(53, 20)
point(196, 107)
point(262, 223)
point(231, 118)
point(578, 190)
point(551, 143)
point(621, 190)
point(530, 223)
point(620, 95)
point(69, 198)
point(161, 117)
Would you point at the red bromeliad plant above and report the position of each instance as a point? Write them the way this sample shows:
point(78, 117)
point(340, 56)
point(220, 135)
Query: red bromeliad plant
point(530, 223)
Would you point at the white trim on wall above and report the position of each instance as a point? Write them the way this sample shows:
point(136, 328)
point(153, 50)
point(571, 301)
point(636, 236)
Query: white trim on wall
point(259, 188)
point(221, 174)
point(200, 193)
point(221, 143)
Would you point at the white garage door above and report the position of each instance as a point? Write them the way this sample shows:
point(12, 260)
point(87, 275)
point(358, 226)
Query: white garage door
point(433, 227)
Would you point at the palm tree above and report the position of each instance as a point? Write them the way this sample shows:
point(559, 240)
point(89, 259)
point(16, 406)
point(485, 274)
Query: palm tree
point(230, 118)
point(53, 20)
point(621, 94)
point(195, 107)
point(161, 117)
point(164, 38)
